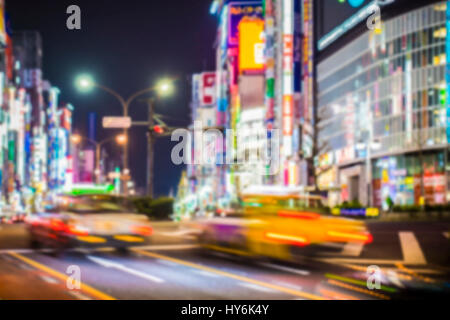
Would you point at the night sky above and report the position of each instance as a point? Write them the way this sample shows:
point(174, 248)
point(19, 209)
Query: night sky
point(128, 45)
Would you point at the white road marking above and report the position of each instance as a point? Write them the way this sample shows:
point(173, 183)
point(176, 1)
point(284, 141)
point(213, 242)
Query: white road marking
point(256, 287)
point(79, 295)
point(283, 268)
point(24, 266)
point(353, 249)
point(111, 264)
point(7, 251)
point(349, 249)
point(289, 285)
point(205, 273)
point(48, 279)
point(412, 253)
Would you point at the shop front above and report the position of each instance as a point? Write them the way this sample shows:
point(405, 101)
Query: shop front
point(399, 178)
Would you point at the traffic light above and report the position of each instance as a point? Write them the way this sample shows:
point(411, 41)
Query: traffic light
point(157, 129)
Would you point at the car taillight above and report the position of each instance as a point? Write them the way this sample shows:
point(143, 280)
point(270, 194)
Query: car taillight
point(142, 230)
point(57, 225)
point(70, 228)
point(77, 230)
point(299, 215)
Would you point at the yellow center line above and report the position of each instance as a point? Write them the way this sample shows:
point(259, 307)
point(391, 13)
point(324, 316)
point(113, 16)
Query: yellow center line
point(231, 275)
point(84, 287)
point(414, 274)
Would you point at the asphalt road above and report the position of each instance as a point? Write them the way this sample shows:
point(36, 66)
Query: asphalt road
point(413, 258)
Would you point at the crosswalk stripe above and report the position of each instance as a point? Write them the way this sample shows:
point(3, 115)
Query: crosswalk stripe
point(352, 249)
point(412, 253)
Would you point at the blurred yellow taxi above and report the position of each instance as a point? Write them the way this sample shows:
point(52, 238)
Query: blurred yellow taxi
point(276, 225)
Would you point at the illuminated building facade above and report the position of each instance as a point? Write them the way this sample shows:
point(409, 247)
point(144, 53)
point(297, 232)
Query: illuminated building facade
point(385, 96)
point(34, 131)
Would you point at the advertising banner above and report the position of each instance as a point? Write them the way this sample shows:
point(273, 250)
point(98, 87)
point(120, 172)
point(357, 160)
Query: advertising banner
point(251, 45)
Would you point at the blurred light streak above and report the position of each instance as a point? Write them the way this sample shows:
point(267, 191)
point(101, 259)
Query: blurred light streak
point(287, 239)
point(299, 215)
point(362, 237)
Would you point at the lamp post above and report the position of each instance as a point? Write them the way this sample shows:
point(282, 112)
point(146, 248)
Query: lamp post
point(120, 139)
point(368, 147)
point(163, 87)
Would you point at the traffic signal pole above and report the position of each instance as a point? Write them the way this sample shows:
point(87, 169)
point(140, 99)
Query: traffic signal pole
point(155, 130)
point(150, 147)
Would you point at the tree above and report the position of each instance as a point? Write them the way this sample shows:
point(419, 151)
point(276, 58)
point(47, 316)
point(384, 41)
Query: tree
point(318, 148)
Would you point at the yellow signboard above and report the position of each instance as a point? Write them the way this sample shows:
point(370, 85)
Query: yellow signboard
point(251, 44)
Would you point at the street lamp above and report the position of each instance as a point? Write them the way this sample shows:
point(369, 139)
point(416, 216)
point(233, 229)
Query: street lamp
point(163, 87)
point(120, 139)
point(84, 82)
point(76, 138)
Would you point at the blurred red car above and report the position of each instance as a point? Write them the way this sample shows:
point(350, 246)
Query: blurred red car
point(89, 221)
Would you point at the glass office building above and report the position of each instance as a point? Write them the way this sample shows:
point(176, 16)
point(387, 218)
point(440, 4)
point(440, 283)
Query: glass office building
point(383, 97)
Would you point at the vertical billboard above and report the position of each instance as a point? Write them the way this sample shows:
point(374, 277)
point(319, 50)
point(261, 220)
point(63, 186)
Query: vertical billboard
point(307, 75)
point(251, 45)
point(288, 84)
point(238, 11)
point(297, 46)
